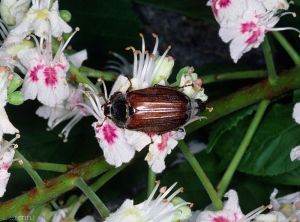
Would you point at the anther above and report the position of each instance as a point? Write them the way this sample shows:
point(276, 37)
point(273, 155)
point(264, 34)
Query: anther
point(210, 109)
point(163, 189)
point(20, 162)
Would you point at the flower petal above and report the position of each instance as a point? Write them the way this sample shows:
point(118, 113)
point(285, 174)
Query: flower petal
point(113, 142)
point(296, 113)
point(4, 177)
point(295, 153)
point(138, 140)
point(78, 58)
point(122, 84)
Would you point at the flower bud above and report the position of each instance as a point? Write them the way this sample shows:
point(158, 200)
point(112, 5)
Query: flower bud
point(164, 71)
point(184, 212)
point(13, 11)
point(65, 15)
point(16, 98)
point(15, 83)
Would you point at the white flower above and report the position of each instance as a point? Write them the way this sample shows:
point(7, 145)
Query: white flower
point(13, 11)
point(7, 152)
point(191, 85)
point(150, 68)
point(46, 73)
point(69, 109)
point(153, 209)
point(162, 146)
point(227, 9)
point(244, 23)
point(295, 152)
point(5, 125)
point(286, 208)
point(42, 19)
point(231, 211)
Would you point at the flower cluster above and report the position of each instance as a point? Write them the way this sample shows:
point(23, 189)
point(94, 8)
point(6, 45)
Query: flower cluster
point(244, 23)
point(166, 207)
point(118, 144)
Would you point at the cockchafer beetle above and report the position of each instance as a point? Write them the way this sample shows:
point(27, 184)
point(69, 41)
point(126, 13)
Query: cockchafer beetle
point(156, 110)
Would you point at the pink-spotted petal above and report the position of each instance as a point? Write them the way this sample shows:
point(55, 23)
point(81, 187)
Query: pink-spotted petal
point(4, 177)
point(113, 142)
point(162, 146)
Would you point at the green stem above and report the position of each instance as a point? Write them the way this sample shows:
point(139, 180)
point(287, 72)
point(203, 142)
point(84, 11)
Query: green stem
point(79, 77)
point(288, 80)
point(90, 72)
point(29, 169)
point(95, 187)
point(54, 167)
point(216, 201)
point(234, 76)
point(99, 205)
point(53, 188)
point(222, 187)
point(269, 62)
point(288, 47)
point(151, 181)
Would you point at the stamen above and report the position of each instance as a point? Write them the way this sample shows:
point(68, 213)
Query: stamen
point(284, 29)
point(60, 51)
point(161, 60)
point(156, 44)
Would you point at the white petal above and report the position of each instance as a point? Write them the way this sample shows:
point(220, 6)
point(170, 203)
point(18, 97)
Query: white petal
point(122, 84)
point(295, 153)
point(59, 215)
point(78, 58)
point(5, 124)
point(232, 203)
point(138, 140)
point(158, 150)
point(4, 177)
point(7, 158)
point(58, 25)
point(296, 113)
point(113, 143)
point(43, 111)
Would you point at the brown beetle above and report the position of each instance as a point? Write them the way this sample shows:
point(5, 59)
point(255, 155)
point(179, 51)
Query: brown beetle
point(156, 109)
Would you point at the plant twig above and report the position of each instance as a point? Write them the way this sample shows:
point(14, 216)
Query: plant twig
point(97, 202)
point(222, 187)
point(234, 76)
point(288, 47)
point(29, 169)
point(151, 181)
point(216, 201)
point(54, 167)
point(94, 73)
point(269, 62)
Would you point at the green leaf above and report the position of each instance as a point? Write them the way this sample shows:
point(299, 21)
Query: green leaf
point(269, 151)
point(289, 178)
point(225, 124)
point(191, 8)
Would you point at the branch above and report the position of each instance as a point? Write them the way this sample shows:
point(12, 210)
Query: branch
point(287, 81)
point(52, 189)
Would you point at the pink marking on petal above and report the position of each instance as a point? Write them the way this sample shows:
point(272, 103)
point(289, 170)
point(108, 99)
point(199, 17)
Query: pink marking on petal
point(109, 133)
point(220, 219)
point(5, 166)
point(33, 73)
point(50, 76)
point(61, 66)
point(164, 142)
point(215, 10)
point(254, 37)
point(224, 3)
point(248, 27)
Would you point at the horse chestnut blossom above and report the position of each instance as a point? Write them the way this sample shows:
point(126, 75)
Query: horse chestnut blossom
point(119, 145)
point(231, 211)
point(5, 125)
point(286, 208)
point(69, 108)
point(42, 19)
point(165, 208)
point(46, 73)
point(244, 23)
point(61, 215)
point(7, 152)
